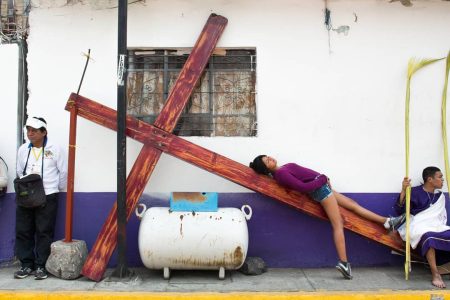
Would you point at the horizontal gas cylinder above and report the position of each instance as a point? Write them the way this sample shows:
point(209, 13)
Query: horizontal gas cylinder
point(193, 240)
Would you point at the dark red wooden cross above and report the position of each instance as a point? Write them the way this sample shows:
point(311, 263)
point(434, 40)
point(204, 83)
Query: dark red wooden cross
point(158, 138)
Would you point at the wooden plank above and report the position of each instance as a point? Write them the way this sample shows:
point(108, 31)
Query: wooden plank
point(71, 174)
point(106, 242)
point(231, 170)
point(97, 260)
point(191, 73)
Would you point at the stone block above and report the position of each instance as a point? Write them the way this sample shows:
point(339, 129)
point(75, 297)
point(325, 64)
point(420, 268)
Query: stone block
point(67, 259)
point(253, 266)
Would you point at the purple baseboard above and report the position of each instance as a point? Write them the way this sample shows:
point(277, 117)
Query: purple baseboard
point(282, 236)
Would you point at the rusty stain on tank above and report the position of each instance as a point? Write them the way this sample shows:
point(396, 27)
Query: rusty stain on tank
point(148, 253)
point(181, 225)
point(238, 255)
point(230, 260)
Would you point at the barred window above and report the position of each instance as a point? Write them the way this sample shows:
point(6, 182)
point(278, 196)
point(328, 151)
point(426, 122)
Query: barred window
point(222, 103)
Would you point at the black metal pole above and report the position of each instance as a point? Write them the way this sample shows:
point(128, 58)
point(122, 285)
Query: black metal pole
point(122, 266)
point(22, 91)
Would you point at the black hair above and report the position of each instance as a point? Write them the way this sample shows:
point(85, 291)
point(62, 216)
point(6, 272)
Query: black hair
point(41, 119)
point(259, 166)
point(429, 172)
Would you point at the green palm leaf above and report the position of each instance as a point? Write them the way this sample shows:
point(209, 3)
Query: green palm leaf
point(444, 120)
point(414, 65)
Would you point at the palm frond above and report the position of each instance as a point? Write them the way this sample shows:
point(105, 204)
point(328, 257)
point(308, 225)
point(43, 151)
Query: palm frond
point(444, 120)
point(415, 64)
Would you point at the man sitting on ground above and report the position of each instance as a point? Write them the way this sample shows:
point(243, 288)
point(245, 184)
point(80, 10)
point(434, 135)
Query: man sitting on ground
point(428, 229)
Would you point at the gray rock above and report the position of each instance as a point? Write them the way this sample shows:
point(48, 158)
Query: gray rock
point(67, 259)
point(253, 266)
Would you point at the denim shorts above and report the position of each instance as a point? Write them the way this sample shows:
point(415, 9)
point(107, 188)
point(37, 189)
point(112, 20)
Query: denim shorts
point(321, 193)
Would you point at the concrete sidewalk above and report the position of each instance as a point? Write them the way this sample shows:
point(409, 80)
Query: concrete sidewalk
point(368, 283)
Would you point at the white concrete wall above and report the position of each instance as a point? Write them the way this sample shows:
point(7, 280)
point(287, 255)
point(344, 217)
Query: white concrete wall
point(341, 113)
point(9, 64)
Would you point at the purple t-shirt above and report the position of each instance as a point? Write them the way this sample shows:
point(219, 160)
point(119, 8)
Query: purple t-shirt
point(299, 178)
point(420, 200)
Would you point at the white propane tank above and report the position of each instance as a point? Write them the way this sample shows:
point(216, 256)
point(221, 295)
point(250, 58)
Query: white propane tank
point(193, 240)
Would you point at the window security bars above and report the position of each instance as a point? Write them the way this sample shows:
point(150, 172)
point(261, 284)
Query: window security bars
point(222, 104)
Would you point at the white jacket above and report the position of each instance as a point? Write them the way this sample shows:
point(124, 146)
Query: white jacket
point(55, 165)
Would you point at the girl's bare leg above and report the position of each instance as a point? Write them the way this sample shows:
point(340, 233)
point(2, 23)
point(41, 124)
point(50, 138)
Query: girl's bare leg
point(331, 208)
point(353, 206)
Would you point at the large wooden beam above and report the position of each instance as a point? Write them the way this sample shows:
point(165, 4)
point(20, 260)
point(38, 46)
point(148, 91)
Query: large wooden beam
point(97, 260)
point(191, 73)
point(229, 169)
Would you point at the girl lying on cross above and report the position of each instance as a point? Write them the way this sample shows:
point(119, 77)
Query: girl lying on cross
point(318, 187)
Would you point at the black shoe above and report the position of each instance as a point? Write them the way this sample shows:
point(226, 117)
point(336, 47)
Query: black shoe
point(41, 273)
point(345, 269)
point(395, 223)
point(23, 272)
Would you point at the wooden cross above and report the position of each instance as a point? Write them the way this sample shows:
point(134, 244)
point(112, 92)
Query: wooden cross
point(158, 138)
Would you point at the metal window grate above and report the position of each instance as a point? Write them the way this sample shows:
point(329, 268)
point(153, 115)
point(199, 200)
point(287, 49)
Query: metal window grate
point(222, 104)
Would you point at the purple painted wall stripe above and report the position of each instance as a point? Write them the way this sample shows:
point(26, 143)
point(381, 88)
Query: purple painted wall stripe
point(282, 236)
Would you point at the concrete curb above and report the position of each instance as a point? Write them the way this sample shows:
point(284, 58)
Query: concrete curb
point(348, 295)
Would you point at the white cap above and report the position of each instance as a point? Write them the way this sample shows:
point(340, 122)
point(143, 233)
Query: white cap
point(35, 123)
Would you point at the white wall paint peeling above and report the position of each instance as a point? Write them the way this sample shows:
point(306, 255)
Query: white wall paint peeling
point(9, 62)
point(339, 113)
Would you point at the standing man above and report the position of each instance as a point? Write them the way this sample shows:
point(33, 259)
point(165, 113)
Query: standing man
point(35, 226)
point(428, 227)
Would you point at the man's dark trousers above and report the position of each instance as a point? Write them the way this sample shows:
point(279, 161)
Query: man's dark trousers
point(35, 224)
